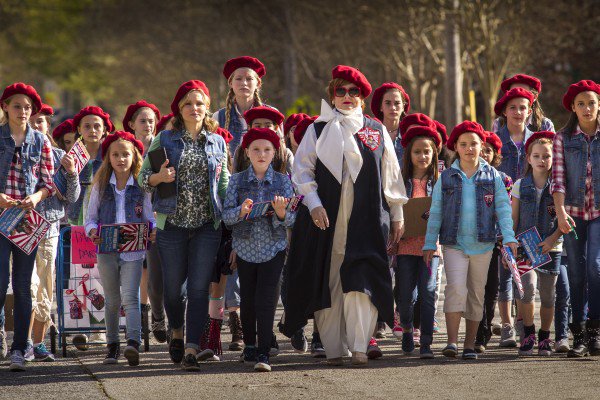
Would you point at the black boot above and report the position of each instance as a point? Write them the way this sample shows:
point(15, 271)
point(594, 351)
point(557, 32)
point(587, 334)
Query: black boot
point(593, 333)
point(579, 348)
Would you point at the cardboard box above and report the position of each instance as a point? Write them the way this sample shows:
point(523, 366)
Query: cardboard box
point(416, 214)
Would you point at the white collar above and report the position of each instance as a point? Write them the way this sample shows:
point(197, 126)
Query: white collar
point(113, 180)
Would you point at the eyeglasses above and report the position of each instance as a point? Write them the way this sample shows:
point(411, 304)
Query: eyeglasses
point(342, 92)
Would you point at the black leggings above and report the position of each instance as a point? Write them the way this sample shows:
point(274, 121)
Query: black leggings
point(491, 294)
point(258, 299)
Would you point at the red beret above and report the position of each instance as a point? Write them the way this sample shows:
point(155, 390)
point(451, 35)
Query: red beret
point(261, 133)
point(441, 129)
point(113, 137)
point(94, 110)
point(292, 121)
point(133, 108)
point(378, 98)
point(263, 112)
point(184, 89)
point(163, 122)
point(512, 94)
point(493, 140)
point(63, 128)
point(576, 88)
point(301, 128)
point(538, 135)
point(352, 75)
point(225, 134)
point(463, 127)
point(46, 110)
point(27, 90)
point(244, 62)
point(530, 81)
point(415, 119)
point(421, 131)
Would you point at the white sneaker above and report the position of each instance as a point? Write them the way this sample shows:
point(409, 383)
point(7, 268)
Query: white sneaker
point(17, 361)
point(562, 346)
point(507, 336)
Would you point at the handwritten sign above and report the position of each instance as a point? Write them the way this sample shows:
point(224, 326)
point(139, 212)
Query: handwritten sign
point(83, 250)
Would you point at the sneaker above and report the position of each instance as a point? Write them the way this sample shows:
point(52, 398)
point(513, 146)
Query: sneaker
point(425, 351)
point(17, 361)
point(408, 342)
point(274, 347)
point(469, 354)
point(113, 353)
point(373, 350)
point(496, 329)
point(207, 355)
point(316, 347)
point(436, 326)
point(380, 333)
point(189, 363)
point(3, 345)
point(417, 337)
point(249, 354)
point(527, 345)
point(159, 329)
point(479, 348)
point(299, 342)
point(562, 346)
point(235, 327)
point(397, 329)
point(520, 328)
point(507, 336)
point(176, 350)
point(132, 353)
point(545, 347)
point(29, 355)
point(41, 353)
point(262, 363)
point(450, 350)
point(359, 360)
point(80, 342)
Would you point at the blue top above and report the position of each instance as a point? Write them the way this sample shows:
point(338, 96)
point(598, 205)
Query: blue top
point(467, 231)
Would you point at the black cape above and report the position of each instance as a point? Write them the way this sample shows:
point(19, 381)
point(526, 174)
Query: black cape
point(365, 266)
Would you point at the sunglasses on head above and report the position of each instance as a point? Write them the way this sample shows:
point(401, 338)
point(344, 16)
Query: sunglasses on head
point(342, 91)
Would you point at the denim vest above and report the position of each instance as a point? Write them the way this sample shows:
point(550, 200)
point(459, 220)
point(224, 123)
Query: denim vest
point(409, 187)
point(216, 151)
point(85, 181)
point(31, 152)
point(237, 127)
point(513, 159)
point(266, 191)
point(52, 208)
point(542, 216)
point(399, 149)
point(576, 153)
point(451, 204)
point(134, 203)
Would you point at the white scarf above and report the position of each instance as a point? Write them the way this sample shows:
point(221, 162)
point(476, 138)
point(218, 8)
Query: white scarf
point(337, 134)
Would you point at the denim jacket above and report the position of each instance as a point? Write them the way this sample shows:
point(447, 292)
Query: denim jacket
point(237, 126)
point(409, 187)
point(53, 208)
point(513, 159)
point(31, 151)
point(85, 181)
point(542, 215)
point(134, 203)
point(576, 152)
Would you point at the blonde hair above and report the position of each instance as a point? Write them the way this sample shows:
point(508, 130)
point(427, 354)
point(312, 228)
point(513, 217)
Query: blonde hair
point(545, 141)
point(209, 124)
point(230, 101)
point(102, 177)
point(337, 82)
point(4, 115)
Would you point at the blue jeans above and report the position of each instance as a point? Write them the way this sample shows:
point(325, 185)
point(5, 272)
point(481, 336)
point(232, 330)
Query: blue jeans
point(121, 283)
point(583, 257)
point(505, 287)
point(414, 277)
point(21, 284)
point(188, 258)
point(561, 307)
point(232, 290)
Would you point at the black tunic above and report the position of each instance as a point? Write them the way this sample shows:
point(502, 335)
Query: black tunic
point(365, 266)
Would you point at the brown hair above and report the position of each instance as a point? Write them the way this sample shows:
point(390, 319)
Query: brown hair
point(209, 124)
point(60, 142)
point(229, 103)
point(407, 165)
point(241, 162)
point(102, 177)
point(497, 160)
point(528, 168)
point(573, 121)
point(337, 82)
point(135, 115)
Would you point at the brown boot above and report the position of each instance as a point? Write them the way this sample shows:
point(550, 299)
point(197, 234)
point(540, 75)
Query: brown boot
point(235, 327)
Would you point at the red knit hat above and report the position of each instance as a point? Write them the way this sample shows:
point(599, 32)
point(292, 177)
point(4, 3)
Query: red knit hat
point(163, 122)
point(493, 140)
point(378, 98)
point(133, 108)
point(441, 129)
point(27, 90)
point(225, 134)
point(261, 133)
point(464, 127)
point(421, 131)
point(538, 135)
point(94, 110)
point(530, 81)
point(263, 112)
point(63, 128)
point(301, 128)
point(575, 89)
point(244, 62)
point(512, 94)
point(46, 110)
point(184, 89)
point(292, 121)
point(415, 119)
point(113, 137)
point(352, 75)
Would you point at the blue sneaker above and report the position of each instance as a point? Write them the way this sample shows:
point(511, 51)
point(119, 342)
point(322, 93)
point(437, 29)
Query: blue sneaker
point(450, 351)
point(425, 351)
point(436, 326)
point(262, 363)
point(249, 354)
point(28, 355)
point(408, 342)
point(41, 353)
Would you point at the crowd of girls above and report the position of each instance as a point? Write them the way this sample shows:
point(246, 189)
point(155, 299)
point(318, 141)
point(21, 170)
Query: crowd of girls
point(341, 256)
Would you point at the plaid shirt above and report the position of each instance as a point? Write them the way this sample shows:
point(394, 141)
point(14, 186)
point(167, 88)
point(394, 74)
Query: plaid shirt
point(15, 182)
point(588, 212)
